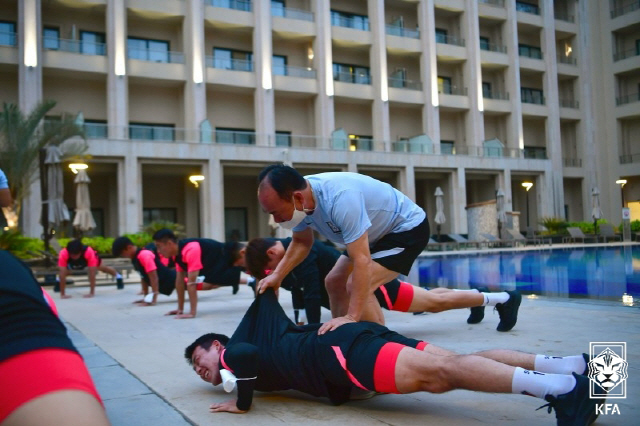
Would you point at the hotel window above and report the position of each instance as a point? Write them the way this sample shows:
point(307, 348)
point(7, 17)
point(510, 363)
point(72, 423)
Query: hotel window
point(7, 33)
point(283, 138)
point(351, 73)
point(279, 65)
point(51, 38)
point(349, 20)
point(444, 85)
point(95, 129)
point(151, 132)
point(485, 44)
point(529, 51)
point(360, 143)
point(235, 136)
point(447, 147)
point(277, 7)
point(532, 96)
point(441, 36)
point(148, 50)
point(486, 90)
point(92, 43)
point(230, 59)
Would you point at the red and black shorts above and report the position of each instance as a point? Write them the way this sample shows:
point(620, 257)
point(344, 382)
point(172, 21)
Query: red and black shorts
point(395, 295)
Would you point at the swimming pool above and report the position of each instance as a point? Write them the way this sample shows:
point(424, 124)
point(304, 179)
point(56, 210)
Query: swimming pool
point(601, 272)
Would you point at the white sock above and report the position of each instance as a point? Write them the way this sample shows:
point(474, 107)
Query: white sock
point(473, 290)
point(492, 299)
point(535, 383)
point(560, 364)
point(118, 275)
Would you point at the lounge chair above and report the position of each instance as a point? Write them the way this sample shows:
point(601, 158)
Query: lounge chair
point(527, 240)
point(494, 241)
point(436, 246)
point(576, 234)
point(462, 241)
point(606, 231)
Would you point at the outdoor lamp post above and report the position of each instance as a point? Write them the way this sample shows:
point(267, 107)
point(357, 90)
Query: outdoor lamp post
point(78, 166)
point(622, 183)
point(195, 180)
point(527, 186)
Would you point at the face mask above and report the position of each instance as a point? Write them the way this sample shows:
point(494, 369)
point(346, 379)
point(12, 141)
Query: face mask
point(229, 380)
point(298, 216)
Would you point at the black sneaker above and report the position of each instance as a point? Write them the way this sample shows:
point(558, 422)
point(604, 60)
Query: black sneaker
point(119, 283)
point(574, 408)
point(477, 312)
point(508, 311)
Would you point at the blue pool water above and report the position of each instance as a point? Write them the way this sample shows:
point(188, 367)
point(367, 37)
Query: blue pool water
point(590, 272)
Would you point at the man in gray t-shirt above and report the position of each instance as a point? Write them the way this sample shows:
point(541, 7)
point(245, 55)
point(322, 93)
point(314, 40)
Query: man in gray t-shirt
point(383, 230)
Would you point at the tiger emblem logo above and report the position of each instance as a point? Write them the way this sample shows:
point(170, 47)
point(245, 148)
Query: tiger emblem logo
point(608, 370)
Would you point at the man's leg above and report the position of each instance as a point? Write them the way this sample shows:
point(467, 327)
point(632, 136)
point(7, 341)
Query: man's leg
point(111, 271)
point(443, 299)
point(336, 285)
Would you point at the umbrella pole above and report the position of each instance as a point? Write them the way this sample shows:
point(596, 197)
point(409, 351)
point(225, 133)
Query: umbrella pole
point(438, 229)
point(44, 218)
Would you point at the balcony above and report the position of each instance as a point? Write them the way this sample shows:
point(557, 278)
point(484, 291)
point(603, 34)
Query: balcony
point(447, 39)
point(629, 158)
point(402, 83)
point(535, 152)
point(569, 103)
point(242, 5)
point(229, 64)
point(452, 90)
point(630, 6)
point(152, 55)
point(535, 98)
point(569, 60)
point(236, 137)
point(529, 52)
point(96, 130)
point(75, 46)
point(527, 8)
point(496, 3)
point(355, 22)
point(572, 162)
point(619, 56)
point(290, 13)
point(627, 99)
point(161, 133)
point(492, 47)
point(402, 32)
point(351, 77)
point(564, 16)
point(292, 71)
point(494, 94)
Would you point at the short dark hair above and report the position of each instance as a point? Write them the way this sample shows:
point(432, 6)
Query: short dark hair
point(163, 235)
point(283, 179)
point(256, 257)
point(205, 341)
point(119, 245)
point(75, 246)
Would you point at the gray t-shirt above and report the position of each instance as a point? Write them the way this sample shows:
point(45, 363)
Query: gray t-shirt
point(348, 204)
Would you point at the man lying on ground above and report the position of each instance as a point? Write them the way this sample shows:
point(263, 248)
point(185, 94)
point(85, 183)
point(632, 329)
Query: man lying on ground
point(267, 352)
point(308, 277)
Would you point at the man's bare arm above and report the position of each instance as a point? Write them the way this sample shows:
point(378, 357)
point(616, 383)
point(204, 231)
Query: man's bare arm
point(296, 252)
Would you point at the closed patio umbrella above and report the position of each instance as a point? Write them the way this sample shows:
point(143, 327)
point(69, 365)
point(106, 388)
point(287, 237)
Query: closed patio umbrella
point(58, 211)
point(596, 213)
point(83, 220)
point(440, 218)
point(500, 210)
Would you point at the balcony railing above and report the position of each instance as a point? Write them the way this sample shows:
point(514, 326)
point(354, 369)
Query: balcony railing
point(533, 54)
point(8, 38)
point(627, 99)
point(527, 8)
point(75, 46)
point(572, 162)
point(496, 3)
point(295, 141)
point(153, 55)
point(243, 5)
point(402, 32)
point(569, 103)
point(229, 64)
point(618, 56)
point(493, 94)
point(235, 137)
point(350, 77)
point(453, 90)
point(625, 8)
point(292, 71)
point(290, 13)
point(533, 98)
point(349, 22)
point(534, 152)
point(492, 47)
point(564, 16)
point(96, 130)
point(155, 133)
point(447, 39)
point(569, 60)
point(629, 158)
point(402, 83)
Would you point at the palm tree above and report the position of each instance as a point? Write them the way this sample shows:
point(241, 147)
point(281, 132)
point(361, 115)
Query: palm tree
point(21, 139)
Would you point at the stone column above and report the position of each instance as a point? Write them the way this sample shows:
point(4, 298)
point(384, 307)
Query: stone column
point(323, 63)
point(213, 199)
point(408, 182)
point(429, 71)
point(550, 84)
point(515, 138)
point(130, 200)
point(262, 53)
point(473, 73)
point(458, 202)
point(378, 63)
point(117, 81)
point(195, 90)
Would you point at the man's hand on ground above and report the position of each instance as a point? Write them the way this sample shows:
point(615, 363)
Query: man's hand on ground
point(226, 407)
point(334, 323)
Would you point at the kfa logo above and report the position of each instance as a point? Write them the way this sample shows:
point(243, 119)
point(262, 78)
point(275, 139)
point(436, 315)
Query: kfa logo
point(608, 373)
point(334, 228)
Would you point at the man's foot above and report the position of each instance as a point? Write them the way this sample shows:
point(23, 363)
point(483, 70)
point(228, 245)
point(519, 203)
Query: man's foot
point(65, 296)
point(184, 316)
point(575, 408)
point(87, 296)
point(508, 311)
point(477, 312)
point(119, 283)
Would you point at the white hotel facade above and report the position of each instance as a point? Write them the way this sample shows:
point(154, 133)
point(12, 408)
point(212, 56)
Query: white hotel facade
point(470, 96)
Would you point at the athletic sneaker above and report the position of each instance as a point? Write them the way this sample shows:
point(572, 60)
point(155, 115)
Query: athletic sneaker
point(508, 311)
point(477, 312)
point(119, 283)
point(574, 408)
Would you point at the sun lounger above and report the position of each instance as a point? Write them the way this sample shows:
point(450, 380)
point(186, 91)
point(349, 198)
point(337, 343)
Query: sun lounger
point(576, 234)
point(606, 232)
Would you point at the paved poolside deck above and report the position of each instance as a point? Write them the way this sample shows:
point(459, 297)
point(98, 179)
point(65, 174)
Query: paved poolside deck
point(135, 356)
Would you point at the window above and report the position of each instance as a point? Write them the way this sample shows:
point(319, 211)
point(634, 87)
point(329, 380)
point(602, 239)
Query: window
point(283, 138)
point(485, 43)
point(7, 33)
point(166, 214)
point(527, 7)
point(229, 59)
point(95, 129)
point(532, 96)
point(349, 20)
point(529, 51)
point(51, 38)
point(447, 147)
point(351, 73)
point(235, 136)
point(148, 50)
point(441, 36)
point(277, 7)
point(92, 43)
point(486, 90)
point(535, 152)
point(398, 78)
point(151, 132)
point(235, 224)
point(279, 65)
point(360, 143)
point(444, 85)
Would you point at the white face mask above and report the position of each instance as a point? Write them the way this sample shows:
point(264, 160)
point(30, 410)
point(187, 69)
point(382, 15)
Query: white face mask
point(229, 380)
point(297, 217)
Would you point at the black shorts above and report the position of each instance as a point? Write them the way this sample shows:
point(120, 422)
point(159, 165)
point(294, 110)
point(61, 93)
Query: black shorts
point(398, 251)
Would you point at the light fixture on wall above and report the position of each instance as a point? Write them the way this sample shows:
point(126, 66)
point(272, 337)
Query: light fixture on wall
point(622, 183)
point(78, 166)
point(195, 179)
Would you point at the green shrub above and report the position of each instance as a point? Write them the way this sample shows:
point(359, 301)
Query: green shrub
point(160, 224)
point(586, 227)
point(554, 225)
point(635, 226)
point(20, 246)
point(140, 239)
point(100, 244)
